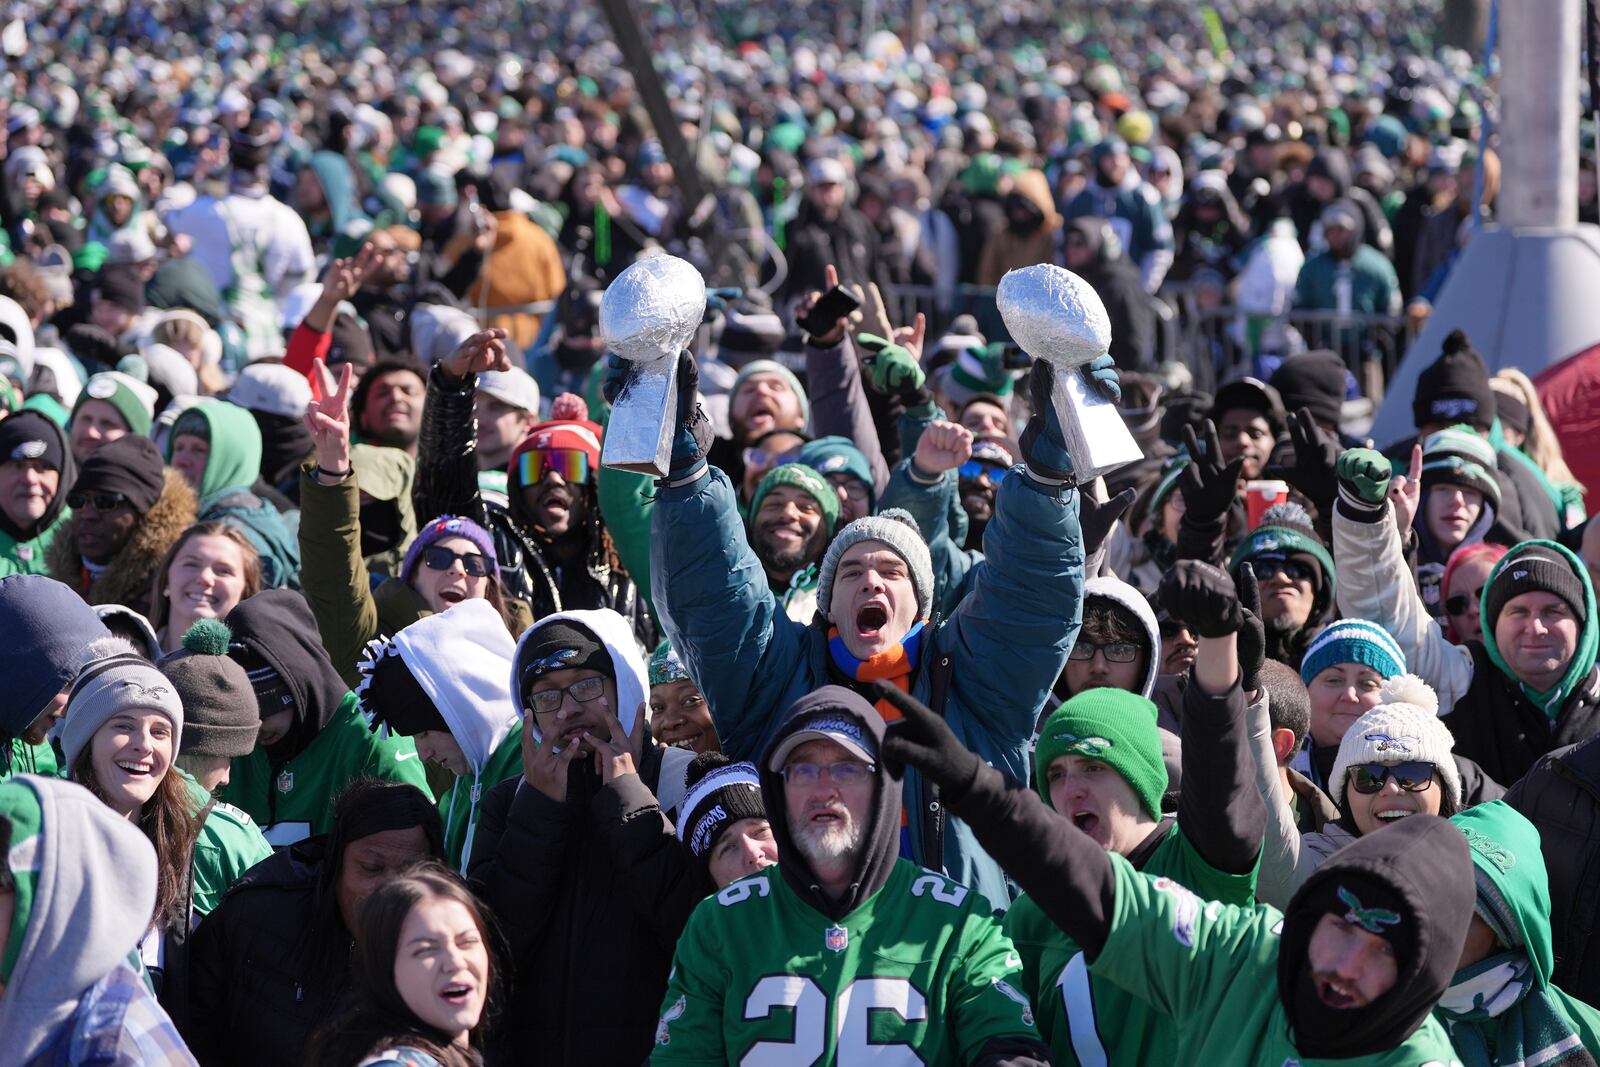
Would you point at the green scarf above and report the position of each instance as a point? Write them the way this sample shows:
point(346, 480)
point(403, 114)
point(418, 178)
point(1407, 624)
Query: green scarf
point(1498, 1015)
point(1551, 700)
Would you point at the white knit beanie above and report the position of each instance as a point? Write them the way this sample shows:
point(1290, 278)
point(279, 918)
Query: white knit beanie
point(1403, 727)
point(897, 530)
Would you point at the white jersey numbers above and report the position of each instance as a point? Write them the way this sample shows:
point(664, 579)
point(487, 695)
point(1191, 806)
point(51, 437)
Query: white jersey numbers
point(852, 1017)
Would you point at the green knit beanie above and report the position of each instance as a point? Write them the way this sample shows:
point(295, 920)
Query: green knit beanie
point(804, 478)
point(133, 399)
point(1114, 726)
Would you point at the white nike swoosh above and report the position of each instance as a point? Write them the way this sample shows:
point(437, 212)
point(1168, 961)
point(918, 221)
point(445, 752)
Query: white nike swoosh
point(398, 756)
point(1013, 961)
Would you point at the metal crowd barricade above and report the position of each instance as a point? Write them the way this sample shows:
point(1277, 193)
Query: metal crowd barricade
point(1230, 339)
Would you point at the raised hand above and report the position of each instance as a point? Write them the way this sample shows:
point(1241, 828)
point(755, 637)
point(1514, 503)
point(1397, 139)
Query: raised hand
point(544, 768)
point(345, 277)
point(1102, 376)
point(1316, 459)
point(1096, 519)
point(1209, 487)
point(1202, 597)
point(1405, 491)
point(920, 739)
point(1253, 633)
point(614, 758)
point(1364, 478)
point(1043, 442)
point(483, 351)
point(830, 278)
point(944, 446)
point(912, 337)
point(328, 418)
point(891, 369)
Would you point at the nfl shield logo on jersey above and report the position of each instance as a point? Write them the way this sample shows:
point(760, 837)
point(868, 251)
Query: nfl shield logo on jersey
point(836, 938)
point(285, 781)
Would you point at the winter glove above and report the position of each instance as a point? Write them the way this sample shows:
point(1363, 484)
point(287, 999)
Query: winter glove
point(1202, 597)
point(1209, 488)
point(1102, 375)
point(1363, 480)
point(891, 369)
point(1096, 519)
point(1252, 649)
point(693, 436)
point(1316, 456)
point(920, 739)
point(1043, 444)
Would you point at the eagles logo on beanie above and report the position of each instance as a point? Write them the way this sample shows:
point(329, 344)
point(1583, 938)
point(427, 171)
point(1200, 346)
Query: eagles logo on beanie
point(1403, 727)
point(1454, 387)
point(1114, 726)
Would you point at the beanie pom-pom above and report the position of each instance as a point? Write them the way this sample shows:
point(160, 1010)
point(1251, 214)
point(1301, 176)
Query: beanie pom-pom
point(1409, 689)
point(208, 637)
point(1456, 342)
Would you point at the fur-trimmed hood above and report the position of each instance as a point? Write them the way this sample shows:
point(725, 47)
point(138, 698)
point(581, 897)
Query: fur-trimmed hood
point(130, 577)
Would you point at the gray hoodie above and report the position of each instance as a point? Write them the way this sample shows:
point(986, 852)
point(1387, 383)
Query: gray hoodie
point(93, 891)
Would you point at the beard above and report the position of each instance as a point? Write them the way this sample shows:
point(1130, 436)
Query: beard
point(789, 562)
point(826, 845)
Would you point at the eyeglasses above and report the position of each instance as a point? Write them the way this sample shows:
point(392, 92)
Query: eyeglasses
point(1294, 570)
point(548, 701)
point(1414, 777)
point(766, 458)
point(973, 469)
point(1116, 652)
point(844, 774)
point(99, 501)
point(570, 463)
point(439, 558)
point(1462, 603)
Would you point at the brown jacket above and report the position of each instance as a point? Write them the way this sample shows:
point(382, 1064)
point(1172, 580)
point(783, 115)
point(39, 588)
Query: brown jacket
point(524, 268)
point(129, 579)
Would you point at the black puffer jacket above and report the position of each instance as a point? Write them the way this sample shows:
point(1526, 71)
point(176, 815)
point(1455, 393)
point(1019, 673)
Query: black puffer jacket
point(1561, 796)
point(591, 895)
point(255, 996)
point(447, 484)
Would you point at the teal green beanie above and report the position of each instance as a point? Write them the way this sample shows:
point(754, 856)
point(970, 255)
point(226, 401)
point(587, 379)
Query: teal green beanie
point(1114, 726)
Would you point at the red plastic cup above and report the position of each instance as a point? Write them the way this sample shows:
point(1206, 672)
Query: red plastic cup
point(1261, 495)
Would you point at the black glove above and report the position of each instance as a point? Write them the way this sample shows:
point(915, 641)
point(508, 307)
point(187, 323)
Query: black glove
point(1253, 633)
point(1202, 597)
point(1209, 488)
point(1316, 455)
point(1096, 519)
point(694, 430)
point(921, 739)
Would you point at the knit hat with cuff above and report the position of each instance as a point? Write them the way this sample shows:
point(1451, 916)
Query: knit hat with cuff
point(1353, 641)
point(1114, 726)
point(118, 683)
point(720, 793)
point(219, 706)
point(1403, 727)
point(798, 476)
point(1458, 456)
point(895, 529)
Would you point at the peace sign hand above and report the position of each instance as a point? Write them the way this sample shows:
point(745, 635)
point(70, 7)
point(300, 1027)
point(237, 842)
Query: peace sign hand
point(613, 758)
point(328, 417)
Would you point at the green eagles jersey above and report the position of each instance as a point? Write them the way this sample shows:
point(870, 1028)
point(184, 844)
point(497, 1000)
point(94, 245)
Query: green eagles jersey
point(1091, 1022)
point(920, 972)
point(295, 801)
point(32, 759)
point(1213, 969)
point(458, 807)
point(229, 844)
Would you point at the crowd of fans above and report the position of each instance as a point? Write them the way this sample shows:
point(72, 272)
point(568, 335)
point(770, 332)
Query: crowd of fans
point(360, 716)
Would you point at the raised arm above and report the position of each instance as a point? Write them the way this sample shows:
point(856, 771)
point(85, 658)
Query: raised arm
point(447, 449)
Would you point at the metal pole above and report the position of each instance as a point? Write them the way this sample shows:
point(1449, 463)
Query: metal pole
point(1539, 43)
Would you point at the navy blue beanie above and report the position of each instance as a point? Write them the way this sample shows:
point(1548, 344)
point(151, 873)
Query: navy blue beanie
point(49, 627)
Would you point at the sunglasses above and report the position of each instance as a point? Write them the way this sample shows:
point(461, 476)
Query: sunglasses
point(974, 469)
point(439, 558)
point(99, 501)
point(1116, 652)
point(1368, 778)
point(548, 701)
point(1268, 569)
point(1462, 603)
point(570, 463)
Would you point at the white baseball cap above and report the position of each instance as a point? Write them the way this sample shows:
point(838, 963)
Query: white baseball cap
point(514, 387)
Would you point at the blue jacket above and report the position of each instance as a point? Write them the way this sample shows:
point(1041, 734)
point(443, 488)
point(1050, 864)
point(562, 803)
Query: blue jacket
point(988, 667)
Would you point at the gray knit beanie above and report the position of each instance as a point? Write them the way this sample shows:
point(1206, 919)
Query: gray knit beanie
point(218, 703)
point(117, 683)
point(896, 529)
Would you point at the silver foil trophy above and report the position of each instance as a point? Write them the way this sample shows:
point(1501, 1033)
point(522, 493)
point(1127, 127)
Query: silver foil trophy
point(1058, 318)
point(647, 316)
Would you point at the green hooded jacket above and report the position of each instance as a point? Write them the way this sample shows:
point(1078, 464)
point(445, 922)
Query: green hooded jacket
point(1582, 662)
point(229, 844)
point(1509, 865)
point(232, 467)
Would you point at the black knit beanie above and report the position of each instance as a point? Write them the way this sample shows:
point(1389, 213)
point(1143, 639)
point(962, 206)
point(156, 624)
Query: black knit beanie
point(1314, 380)
point(1454, 388)
point(1532, 568)
point(130, 466)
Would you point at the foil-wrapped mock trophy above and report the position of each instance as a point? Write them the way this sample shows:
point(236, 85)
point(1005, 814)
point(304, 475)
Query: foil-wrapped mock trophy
point(1057, 318)
point(647, 316)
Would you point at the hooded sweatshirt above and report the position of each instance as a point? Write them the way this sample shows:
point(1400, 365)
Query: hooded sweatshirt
point(339, 190)
point(85, 890)
point(1125, 595)
point(1228, 976)
point(902, 935)
point(23, 549)
point(290, 793)
point(1583, 658)
point(232, 467)
point(460, 658)
point(1504, 1009)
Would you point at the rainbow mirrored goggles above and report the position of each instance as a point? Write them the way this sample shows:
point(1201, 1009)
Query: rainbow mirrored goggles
point(570, 463)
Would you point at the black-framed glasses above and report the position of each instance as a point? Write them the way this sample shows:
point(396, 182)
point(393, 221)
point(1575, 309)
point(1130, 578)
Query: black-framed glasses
point(1413, 777)
point(439, 558)
point(99, 501)
point(1293, 569)
point(1462, 603)
point(845, 773)
point(1115, 652)
point(585, 690)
